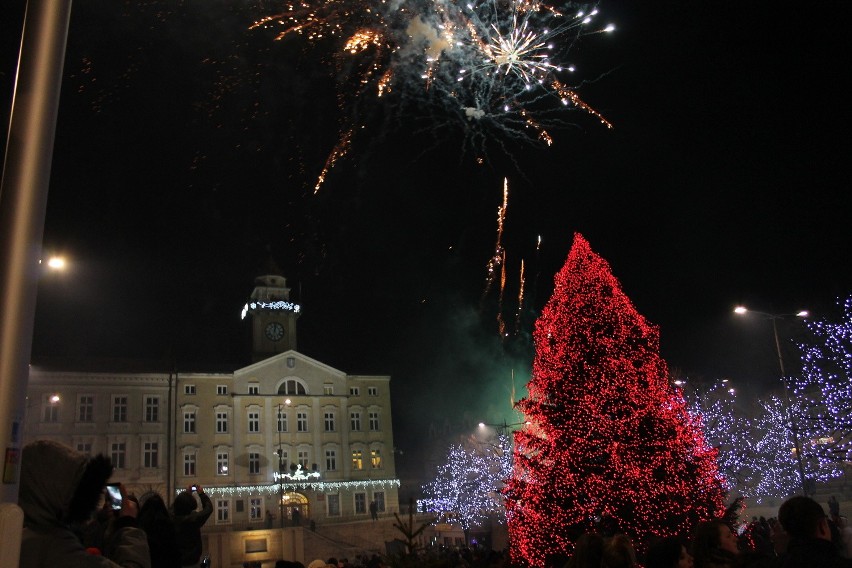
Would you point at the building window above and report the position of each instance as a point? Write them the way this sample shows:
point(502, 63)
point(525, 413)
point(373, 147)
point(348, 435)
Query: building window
point(304, 458)
point(283, 460)
point(327, 389)
point(301, 421)
point(254, 421)
point(376, 459)
point(221, 389)
point(360, 503)
point(152, 409)
point(150, 454)
point(333, 505)
point(221, 422)
point(222, 463)
point(374, 422)
point(282, 420)
point(329, 421)
point(86, 408)
point(330, 460)
point(117, 455)
point(188, 389)
point(254, 389)
point(189, 422)
point(84, 448)
point(254, 463)
point(355, 419)
point(292, 386)
point(354, 391)
point(223, 511)
point(256, 508)
point(291, 362)
point(379, 498)
point(357, 459)
point(373, 391)
point(189, 464)
point(119, 409)
point(51, 412)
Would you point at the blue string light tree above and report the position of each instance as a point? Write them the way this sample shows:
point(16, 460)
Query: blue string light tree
point(609, 445)
point(728, 429)
point(467, 487)
point(823, 395)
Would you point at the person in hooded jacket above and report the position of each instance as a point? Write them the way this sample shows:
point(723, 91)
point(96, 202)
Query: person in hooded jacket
point(155, 520)
point(60, 490)
point(188, 522)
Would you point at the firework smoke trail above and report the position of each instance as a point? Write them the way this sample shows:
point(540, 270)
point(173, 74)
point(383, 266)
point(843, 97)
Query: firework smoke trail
point(520, 300)
point(501, 325)
point(340, 150)
point(498, 67)
point(498, 259)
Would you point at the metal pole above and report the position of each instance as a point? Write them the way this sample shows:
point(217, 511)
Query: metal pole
point(23, 202)
point(794, 425)
point(280, 472)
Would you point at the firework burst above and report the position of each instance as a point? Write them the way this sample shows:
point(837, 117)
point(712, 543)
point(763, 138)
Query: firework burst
point(494, 69)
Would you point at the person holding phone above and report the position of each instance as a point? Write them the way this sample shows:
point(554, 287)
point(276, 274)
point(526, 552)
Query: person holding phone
point(189, 519)
point(60, 490)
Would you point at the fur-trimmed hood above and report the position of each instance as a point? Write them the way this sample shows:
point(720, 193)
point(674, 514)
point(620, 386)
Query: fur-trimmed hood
point(58, 485)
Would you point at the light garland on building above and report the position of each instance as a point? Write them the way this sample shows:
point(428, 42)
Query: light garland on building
point(279, 306)
point(319, 486)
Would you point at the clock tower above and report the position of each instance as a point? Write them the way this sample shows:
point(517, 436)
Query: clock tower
point(273, 315)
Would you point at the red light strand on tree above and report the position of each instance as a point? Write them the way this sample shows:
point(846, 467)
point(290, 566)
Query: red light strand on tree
point(609, 445)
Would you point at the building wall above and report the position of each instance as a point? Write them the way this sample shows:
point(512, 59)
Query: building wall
point(225, 436)
point(124, 416)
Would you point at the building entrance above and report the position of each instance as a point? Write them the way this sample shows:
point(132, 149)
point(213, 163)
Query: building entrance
point(295, 508)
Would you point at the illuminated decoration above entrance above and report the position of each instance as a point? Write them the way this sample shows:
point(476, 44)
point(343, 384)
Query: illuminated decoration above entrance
point(298, 475)
point(279, 306)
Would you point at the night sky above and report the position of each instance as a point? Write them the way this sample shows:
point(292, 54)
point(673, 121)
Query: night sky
point(188, 145)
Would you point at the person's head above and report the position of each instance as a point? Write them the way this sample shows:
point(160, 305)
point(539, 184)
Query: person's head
point(153, 506)
point(588, 551)
point(803, 518)
point(618, 552)
point(714, 542)
point(669, 552)
point(60, 485)
point(184, 504)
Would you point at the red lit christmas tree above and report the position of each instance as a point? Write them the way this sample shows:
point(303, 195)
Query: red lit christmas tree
point(609, 446)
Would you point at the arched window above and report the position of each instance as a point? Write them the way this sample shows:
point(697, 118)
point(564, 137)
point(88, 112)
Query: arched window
point(292, 386)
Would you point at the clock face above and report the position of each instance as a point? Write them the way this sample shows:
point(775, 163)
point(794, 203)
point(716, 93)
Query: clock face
point(274, 331)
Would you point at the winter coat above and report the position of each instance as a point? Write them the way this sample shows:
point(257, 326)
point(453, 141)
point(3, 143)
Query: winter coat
point(155, 520)
point(60, 487)
point(188, 527)
point(813, 553)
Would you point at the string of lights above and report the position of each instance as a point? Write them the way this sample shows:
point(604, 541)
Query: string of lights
point(320, 486)
point(610, 446)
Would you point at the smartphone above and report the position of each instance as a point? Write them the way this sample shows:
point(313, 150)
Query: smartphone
point(114, 496)
point(194, 488)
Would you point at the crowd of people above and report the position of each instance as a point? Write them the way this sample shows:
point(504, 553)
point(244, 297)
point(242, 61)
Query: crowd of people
point(802, 536)
point(71, 521)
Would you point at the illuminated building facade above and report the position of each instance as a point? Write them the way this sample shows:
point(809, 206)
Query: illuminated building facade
point(285, 440)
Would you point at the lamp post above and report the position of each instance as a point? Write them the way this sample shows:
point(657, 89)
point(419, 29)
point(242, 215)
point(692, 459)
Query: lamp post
point(791, 417)
point(282, 421)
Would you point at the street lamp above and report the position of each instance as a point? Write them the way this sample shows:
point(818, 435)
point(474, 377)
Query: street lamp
point(794, 425)
point(502, 428)
point(55, 263)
